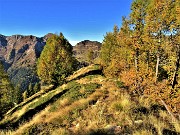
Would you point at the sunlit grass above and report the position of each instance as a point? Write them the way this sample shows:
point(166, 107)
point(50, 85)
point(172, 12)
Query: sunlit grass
point(142, 132)
point(6, 132)
point(96, 105)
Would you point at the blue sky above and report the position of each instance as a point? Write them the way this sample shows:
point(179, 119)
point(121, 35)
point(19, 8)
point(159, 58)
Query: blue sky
point(76, 19)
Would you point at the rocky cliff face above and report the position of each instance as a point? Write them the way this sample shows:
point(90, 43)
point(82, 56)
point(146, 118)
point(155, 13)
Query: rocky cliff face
point(19, 55)
point(20, 51)
point(82, 48)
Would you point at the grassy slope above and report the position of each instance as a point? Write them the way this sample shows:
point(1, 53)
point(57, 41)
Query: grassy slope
point(91, 104)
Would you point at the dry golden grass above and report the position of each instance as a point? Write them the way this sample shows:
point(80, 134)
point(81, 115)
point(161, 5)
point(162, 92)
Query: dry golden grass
point(83, 71)
point(159, 125)
point(6, 132)
point(142, 132)
point(36, 119)
point(64, 102)
point(100, 115)
point(95, 79)
point(177, 126)
point(145, 101)
point(64, 109)
point(73, 106)
point(59, 131)
point(110, 108)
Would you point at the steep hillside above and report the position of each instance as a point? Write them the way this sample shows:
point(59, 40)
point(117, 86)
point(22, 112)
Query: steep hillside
point(88, 103)
point(19, 54)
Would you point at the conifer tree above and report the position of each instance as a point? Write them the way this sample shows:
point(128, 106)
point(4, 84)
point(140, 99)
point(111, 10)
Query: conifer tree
point(108, 50)
point(30, 90)
point(56, 61)
point(18, 94)
point(90, 56)
point(137, 19)
point(156, 25)
point(36, 87)
point(6, 92)
point(24, 95)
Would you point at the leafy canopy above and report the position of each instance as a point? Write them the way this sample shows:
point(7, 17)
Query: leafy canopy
point(56, 61)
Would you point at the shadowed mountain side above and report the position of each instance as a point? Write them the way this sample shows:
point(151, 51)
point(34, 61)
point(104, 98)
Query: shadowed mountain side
point(19, 55)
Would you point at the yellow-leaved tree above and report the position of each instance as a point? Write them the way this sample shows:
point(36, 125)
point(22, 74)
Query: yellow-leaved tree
point(56, 61)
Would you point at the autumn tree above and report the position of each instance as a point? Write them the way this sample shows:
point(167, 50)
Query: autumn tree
point(56, 61)
point(144, 53)
point(137, 22)
point(173, 28)
point(6, 92)
point(156, 24)
point(90, 56)
point(125, 50)
point(108, 53)
point(36, 87)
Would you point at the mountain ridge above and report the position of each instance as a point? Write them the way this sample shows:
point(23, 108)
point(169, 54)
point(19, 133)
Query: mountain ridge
point(19, 54)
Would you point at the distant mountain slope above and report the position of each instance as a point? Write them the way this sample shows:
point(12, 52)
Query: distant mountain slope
point(20, 51)
point(82, 48)
point(19, 55)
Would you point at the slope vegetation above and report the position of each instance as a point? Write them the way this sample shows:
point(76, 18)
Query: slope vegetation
point(88, 103)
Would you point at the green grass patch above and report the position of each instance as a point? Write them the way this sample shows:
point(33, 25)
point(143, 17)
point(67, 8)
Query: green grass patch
point(91, 77)
point(119, 84)
point(42, 100)
point(76, 91)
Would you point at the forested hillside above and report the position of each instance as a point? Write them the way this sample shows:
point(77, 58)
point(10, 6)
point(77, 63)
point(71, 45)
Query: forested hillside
point(144, 52)
point(133, 87)
point(7, 94)
point(19, 55)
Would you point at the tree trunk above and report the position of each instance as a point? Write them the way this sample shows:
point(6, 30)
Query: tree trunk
point(174, 80)
point(138, 86)
point(157, 67)
point(137, 60)
point(158, 55)
point(169, 111)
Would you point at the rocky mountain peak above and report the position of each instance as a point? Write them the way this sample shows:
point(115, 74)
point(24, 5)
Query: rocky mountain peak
point(88, 44)
point(48, 36)
point(82, 48)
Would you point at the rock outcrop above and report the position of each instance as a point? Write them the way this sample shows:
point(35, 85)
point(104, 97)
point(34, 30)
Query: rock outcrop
point(82, 48)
